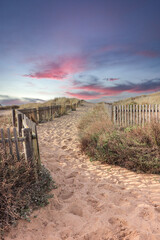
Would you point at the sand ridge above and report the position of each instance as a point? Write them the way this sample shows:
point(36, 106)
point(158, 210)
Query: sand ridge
point(92, 201)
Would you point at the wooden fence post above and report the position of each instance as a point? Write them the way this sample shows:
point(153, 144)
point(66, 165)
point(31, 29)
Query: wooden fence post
point(134, 113)
point(128, 114)
point(125, 115)
point(146, 113)
point(149, 113)
point(13, 118)
point(140, 115)
point(34, 116)
point(39, 114)
point(143, 116)
point(37, 149)
point(27, 134)
point(9, 141)
point(19, 124)
point(114, 114)
point(16, 143)
point(131, 118)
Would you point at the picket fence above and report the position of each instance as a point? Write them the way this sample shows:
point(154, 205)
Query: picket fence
point(127, 115)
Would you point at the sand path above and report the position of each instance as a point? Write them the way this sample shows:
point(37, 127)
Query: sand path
point(92, 201)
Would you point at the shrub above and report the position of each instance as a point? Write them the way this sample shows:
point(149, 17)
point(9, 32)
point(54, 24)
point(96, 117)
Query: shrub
point(134, 148)
point(20, 193)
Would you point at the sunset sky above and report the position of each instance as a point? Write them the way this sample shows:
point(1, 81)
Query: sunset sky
point(98, 50)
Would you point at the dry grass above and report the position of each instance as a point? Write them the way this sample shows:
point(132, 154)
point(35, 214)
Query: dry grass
point(134, 148)
point(20, 193)
point(56, 101)
point(5, 121)
point(143, 99)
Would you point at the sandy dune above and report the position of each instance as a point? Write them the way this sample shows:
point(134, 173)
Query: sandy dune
point(92, 201)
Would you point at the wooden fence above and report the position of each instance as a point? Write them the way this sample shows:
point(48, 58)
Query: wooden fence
point(22, 140)
point(43, 114)
point(128, 115)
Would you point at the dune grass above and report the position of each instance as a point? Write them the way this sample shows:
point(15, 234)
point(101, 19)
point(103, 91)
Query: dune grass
point(5, 121)
point(134, 148)
point(56, 101)
point(20, 192)
point(153, 98)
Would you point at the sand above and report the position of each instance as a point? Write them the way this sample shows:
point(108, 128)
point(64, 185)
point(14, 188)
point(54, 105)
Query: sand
point(92, 201)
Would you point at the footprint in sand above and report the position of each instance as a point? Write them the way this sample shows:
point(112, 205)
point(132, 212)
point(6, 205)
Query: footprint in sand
point(66, 194)
point(76, 210)
point(64, 147)
point(145, 212)
point(121, 229)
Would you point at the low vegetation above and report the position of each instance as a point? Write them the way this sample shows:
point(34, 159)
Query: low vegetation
point(5, 121)
point(20, 192)
point(134, 148)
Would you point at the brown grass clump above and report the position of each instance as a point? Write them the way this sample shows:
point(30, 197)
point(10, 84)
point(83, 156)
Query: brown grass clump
point(134, 148)
point(20, 193)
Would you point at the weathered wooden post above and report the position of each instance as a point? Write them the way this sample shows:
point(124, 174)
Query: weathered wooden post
point(39, 115)
point(131, 118)
point(28, 151)
point(16, 143)
point(19, 124)
point(128, 115)
point(143, 115)
point(34, 115)
point(13, 118)
point(36, 148)
point(146, 113)
point(125, 115)
point(9, 141)
point(114, 114)
point(134, 114)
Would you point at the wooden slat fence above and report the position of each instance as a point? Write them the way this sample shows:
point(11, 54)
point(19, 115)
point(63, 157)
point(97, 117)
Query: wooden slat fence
point(21, 141)
point(10, 141)
point(43, 114)
point(128, 115)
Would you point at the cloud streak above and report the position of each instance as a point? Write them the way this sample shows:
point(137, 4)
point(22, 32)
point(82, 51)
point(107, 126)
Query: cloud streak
point(98, 90)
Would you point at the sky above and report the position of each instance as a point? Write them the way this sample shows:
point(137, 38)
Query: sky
point(96, 50)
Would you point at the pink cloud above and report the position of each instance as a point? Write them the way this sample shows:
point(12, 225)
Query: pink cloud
point(147, 53)
point(84, 95)
point(99, 89)
point(94, 91)
point(59, 70)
